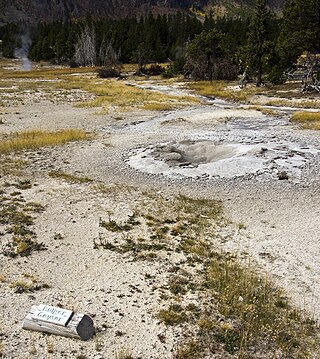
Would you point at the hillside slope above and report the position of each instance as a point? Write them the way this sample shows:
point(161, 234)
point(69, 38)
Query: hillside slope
point(53, 10)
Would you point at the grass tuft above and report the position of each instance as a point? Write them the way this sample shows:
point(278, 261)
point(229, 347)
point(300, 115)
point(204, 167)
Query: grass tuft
point(159, 106)
point(69, 177)
point(174, 315)
point(34, 139)
point(307, 120)
point(28, 284)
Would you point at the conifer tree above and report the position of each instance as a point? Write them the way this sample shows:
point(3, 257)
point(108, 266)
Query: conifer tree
point(300, 30)
point(258, 45)
point(206, 54)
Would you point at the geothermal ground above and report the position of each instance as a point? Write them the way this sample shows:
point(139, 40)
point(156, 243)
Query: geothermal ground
point(263, 169)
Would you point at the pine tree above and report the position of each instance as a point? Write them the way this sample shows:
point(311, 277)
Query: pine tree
point(300, 30)
point(258, 45)
point(208, 57)
point(9, 40)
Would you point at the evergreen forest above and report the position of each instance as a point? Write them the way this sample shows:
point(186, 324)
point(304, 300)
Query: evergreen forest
point(264, 46)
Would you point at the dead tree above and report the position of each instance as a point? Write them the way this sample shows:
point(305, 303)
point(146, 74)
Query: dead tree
point(108, 56)
point(311, 83)
point(85, 48)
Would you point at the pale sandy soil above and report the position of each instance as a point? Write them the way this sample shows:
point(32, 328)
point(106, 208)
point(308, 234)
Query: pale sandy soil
point(279, 219)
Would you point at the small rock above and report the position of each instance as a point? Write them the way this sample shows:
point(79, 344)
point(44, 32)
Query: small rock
point(283, 175)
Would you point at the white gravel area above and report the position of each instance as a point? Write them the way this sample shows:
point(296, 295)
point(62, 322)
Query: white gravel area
point(264, 169)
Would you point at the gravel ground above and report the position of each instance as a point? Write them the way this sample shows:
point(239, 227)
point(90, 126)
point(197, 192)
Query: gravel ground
point(131, 154)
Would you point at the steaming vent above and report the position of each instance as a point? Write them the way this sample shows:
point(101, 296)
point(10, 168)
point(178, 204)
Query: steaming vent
point(23, 51)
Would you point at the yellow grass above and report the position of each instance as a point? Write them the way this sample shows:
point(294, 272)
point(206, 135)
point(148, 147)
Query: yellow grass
point(307, 120)
point(284, 95)
point(159, 106)
point(220, 89)
point(109, 94)
point(294, 102)
point(119, 95)
point(30, 140)
point(47, 73)
point(69, 177)
point(266, 111)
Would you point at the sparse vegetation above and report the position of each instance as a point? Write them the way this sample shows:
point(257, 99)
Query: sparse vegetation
point(280, 95)
point(23, 184)
point(11, 166)
point(307, 120)
point(119, 95)
point(31, 140)
point(238, 312)
point(232, 310)
point(50, 346)
point(28, 284)
point(108, 94)
point(21, 246)
point(292, 102)
point(69, 177)
point(160, 106)
point(16, 220)
point(221, 89)
point(112, 226)
point(174, 315)
point(124, 354)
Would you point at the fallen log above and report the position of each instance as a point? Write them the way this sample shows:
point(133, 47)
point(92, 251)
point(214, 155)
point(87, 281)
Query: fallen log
point(59, 321)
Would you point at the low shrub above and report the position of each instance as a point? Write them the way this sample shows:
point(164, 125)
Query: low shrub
point(154, 70)
point(108, 72)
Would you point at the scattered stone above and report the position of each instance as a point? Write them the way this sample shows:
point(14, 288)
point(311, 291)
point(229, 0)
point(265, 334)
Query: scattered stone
point(184, 164)
point(172, 156)
point(283, 175)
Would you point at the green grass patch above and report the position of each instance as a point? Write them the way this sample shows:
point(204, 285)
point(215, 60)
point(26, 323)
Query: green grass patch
point(34, 139)
point(307, 120)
